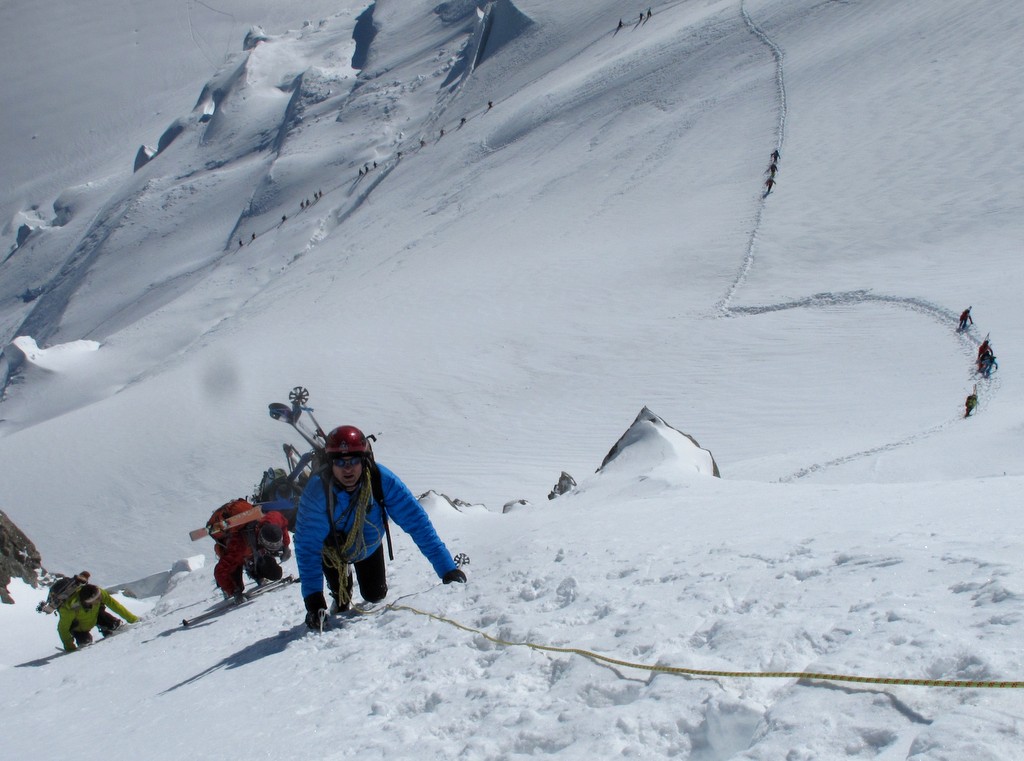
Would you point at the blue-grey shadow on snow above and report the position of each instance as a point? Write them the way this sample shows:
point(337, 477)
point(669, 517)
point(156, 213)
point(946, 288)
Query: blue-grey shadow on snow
point(39, 661)
point(272, 645)
point(463, 13)
point(363, 35)
point(501, 23)
point(504, 23)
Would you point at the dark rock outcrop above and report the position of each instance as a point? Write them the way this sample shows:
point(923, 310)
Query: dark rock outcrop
point(19, 558)
point(566, 484)
point(142, 157)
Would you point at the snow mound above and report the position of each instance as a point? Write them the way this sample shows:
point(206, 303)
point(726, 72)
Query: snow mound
point(436, 504)
point(158, 584)
point(57, 358)
point(651, 444)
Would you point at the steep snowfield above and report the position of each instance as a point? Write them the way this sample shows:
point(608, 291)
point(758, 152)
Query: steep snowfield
point(657, 567)
point(498, 302)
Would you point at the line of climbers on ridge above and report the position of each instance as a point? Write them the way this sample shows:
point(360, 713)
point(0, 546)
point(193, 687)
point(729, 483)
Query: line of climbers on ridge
point(340, 524)
point(643, 19)
point(303, 205)
point(366, 169)
point(369, 166)
point(985, 362)
point(773, 168)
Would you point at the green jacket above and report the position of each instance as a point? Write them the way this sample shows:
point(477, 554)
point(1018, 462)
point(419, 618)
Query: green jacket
point(74, 617)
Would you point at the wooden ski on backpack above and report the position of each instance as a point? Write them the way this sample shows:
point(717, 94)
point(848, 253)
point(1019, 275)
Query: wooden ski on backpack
point(235, 520)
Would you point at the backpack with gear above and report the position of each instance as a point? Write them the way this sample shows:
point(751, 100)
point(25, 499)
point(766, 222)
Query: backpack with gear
point(279, 490)
point(61, 592)
point(219, 525)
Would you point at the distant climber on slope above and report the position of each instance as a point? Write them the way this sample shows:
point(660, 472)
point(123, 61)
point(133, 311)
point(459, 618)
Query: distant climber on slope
point(965, 318)
point(971, 402)
point(987, 364)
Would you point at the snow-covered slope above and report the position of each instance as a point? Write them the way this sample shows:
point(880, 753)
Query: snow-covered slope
point(659, 572)
point(589, 236)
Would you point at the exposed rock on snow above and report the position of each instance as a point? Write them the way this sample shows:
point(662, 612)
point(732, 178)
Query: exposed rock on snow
point(433, 501)
point(514, 504)
point(142, 157)
point(566, 483)
point(19, 558)
point(254, 37)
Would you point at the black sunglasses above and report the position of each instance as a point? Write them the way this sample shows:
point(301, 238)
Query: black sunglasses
point(346, 462)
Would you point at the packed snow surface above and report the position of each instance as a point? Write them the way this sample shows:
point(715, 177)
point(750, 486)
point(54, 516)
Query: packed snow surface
point(512, 240)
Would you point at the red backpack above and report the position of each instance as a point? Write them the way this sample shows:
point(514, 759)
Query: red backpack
point(228, 510)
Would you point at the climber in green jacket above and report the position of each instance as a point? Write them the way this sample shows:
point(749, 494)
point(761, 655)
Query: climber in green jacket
point(86, 609)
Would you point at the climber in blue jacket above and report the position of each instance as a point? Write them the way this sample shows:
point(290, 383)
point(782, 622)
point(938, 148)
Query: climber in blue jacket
point(342, 524)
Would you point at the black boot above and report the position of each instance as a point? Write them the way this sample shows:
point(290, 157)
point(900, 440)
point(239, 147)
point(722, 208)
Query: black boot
point(81, 638)
point(106, 622)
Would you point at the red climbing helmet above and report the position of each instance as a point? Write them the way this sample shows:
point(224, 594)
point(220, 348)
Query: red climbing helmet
point(347, 440)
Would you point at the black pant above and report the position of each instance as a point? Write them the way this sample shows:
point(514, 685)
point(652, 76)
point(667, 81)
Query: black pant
point(105, 622)
point(260, 566)
point(371, 575)
point(268, 568)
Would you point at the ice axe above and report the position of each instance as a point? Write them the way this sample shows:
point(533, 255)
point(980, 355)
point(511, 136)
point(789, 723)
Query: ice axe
point(298, 396)
point(291, 415)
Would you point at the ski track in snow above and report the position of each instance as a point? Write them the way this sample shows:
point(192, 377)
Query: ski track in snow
point(46, 315)
point(942, 315)
point(196, 40)
point(43, 319)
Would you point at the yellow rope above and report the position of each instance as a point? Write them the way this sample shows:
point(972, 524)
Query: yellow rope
point(338, 557)
point(355, 543)
point(802, 675)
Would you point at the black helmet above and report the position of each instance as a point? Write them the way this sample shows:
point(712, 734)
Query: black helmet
point(270, 537)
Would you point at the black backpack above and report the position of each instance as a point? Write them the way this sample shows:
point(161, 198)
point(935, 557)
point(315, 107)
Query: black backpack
point(279, 490)
point(61, 591)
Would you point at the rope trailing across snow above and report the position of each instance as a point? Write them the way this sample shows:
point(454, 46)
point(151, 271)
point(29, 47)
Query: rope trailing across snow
point(800, 675)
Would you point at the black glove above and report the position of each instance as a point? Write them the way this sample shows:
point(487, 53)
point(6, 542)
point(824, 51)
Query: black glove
point(455, 574)
point(315, 604)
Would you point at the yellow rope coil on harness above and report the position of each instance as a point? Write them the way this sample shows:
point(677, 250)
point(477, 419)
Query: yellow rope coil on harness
point(339, 557)
point(799, 675)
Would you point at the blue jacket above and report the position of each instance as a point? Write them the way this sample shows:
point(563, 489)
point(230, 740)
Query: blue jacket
point(312, 527)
